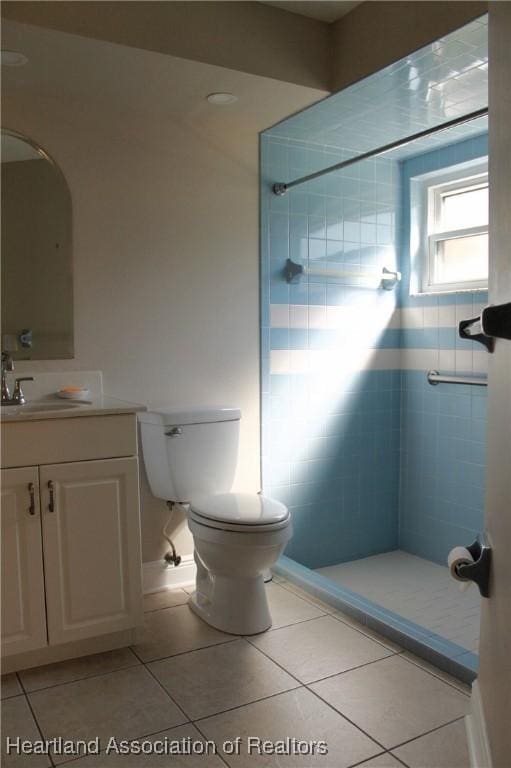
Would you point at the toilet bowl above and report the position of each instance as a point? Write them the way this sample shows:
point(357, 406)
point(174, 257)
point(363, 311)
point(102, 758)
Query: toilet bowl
point(233, 556)
point(190, 458)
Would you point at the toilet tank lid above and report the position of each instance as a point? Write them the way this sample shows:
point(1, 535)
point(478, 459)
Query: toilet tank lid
point(174, 417)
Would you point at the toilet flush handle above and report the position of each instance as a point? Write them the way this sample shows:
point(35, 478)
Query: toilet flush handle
point(174, 432)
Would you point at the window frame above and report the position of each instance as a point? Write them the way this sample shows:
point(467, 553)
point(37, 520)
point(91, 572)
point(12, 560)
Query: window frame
point(426, 193)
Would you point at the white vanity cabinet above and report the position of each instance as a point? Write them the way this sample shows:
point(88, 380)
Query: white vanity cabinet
point(23, 606)
point(71, 562)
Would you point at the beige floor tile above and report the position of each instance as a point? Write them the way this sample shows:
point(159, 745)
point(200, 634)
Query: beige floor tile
point(17, 721)
point(382, 761)
point(126, 705)
point(178, 738)
point(393, 700)
point(77, 669)
point(296, 714)
point(221, 677)
point(287, 608)
point(165, 599)
point(367, 631)
point(10, 686)
point(175, 630)
point(308, 597)
point(463, 687)
point(319, 648)
point(444, 748)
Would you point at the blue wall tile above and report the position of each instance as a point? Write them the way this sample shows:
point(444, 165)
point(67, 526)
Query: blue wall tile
point(380, 460)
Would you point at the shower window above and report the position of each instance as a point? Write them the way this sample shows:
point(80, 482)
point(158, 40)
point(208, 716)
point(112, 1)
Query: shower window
point(452, 218)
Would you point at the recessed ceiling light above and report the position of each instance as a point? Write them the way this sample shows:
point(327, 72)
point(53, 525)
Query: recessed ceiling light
point(13, 59)
point(221, 99)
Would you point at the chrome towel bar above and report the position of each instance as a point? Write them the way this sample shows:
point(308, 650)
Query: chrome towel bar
point(388, 279)
point(439, 378)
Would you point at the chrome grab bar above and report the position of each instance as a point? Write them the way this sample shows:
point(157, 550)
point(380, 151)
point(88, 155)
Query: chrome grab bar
point(439, 378)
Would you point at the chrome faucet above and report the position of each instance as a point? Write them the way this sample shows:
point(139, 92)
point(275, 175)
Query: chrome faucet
point(7, 367)
point(18, 398)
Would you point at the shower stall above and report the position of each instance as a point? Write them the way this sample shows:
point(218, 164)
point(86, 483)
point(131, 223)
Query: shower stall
point(373, 249)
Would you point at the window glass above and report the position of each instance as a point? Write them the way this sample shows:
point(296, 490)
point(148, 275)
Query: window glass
point(462, 259)
point(463, 208)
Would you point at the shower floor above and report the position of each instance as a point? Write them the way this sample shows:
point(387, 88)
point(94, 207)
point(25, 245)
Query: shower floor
point(417, 590)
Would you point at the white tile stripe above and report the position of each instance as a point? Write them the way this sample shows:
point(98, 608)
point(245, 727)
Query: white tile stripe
point(332, 318)
point(301, 361)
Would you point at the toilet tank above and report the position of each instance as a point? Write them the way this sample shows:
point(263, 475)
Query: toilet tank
point(190, 453)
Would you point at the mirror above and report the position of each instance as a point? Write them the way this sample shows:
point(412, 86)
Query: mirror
point(37, 280)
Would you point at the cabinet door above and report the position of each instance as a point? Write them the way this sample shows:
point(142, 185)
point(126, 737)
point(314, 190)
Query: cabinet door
point(91, 542)
point(23, 609)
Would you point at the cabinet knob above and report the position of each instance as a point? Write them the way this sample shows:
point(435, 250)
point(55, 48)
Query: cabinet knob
point(31, 491)
point(51, 488)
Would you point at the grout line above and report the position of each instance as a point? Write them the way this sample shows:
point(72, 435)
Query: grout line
point(367, 759)
point(219, 754)
point(164, 607)
point(370, 637)
point(382, 642)
point(351, 669)
point(36, 721)
point(232, 639)
point(129, 738)
point(427, 733)
point(433, 674)
point(150, 672)
point(307, 600)
point(399, 759)
point(246, 704)
point(286, 626)
point(306, 686)
point(79, 679)
point(337, 711)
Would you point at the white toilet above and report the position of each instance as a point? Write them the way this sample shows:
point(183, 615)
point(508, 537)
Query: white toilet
point(190, 458)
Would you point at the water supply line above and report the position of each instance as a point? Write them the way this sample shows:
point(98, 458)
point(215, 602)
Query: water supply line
point(172, 556)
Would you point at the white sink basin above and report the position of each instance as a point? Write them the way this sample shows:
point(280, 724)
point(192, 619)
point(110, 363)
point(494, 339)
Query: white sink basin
point(35, 407)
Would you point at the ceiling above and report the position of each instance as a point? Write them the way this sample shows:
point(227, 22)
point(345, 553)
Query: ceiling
point(94, 75)
point(324, 10)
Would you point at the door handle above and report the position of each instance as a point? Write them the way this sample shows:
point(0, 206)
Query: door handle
point(493, 323)
point(496, 321)
point(31, 490)
point(51, 489)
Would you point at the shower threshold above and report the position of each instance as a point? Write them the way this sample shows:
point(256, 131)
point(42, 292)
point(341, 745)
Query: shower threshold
point(406, 598)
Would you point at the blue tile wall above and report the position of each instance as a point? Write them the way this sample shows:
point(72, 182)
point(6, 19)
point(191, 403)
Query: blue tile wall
point(372, 459)
point(443, 442)
point(443, 428)
point(330, 436)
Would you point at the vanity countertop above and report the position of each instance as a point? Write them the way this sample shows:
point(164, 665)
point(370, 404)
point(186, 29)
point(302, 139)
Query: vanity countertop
point(58, 408)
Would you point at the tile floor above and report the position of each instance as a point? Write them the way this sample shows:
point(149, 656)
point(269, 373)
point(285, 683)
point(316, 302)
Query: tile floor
point(416, 589)
point(316, 675)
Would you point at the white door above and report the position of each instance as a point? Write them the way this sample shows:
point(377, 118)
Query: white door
point(495, 646)
point(23, 609)
point(91, 540)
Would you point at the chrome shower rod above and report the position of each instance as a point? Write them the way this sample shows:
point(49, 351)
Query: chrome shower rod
point(280, 188)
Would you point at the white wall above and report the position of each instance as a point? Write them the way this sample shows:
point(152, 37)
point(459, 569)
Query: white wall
point(166, 257)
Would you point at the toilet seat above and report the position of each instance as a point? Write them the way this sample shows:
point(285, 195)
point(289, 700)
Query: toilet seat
point(241, 512)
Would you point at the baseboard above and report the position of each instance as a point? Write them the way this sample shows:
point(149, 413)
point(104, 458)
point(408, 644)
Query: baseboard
point(157, 576)
point(477, 735)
